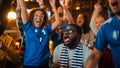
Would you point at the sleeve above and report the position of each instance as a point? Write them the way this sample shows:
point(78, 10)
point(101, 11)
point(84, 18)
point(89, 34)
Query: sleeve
point(101, 42)
point(93, 27)
point(56, 53)
point(49, 28)
point(27, 26)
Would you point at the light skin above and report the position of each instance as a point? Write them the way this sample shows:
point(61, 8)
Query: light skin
point(25, 18)
point(66, 13)
point(99, 21)
point(95, 56)
point(94, 23)
point(80, 20)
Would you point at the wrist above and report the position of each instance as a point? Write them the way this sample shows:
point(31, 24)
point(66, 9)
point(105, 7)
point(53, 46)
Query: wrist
point(41, 5)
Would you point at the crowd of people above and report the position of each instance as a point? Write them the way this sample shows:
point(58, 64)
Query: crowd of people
point(78, 43)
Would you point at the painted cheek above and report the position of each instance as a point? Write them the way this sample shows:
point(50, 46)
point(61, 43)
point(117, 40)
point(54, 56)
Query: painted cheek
point(34, 19)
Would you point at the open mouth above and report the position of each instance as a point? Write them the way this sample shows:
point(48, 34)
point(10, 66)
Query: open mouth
point(38, 22)
point(66, 39)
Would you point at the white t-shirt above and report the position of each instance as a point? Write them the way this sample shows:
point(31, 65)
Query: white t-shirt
point(57, 51)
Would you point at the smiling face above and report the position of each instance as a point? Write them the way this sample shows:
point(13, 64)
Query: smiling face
point(38, 18)
point(71, 36)
point(115, 6)
point(80, 20)
point(99, 21)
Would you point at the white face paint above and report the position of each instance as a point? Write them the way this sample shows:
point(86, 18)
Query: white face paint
point(115, 34)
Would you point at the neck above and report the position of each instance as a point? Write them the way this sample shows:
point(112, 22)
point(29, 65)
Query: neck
point(74, 46)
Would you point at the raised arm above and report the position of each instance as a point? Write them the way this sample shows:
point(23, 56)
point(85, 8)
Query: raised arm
point(96, 12)
point(23, 10)
point(93, 59)
point(57, 21)
point(66, 13)
point(41, 4)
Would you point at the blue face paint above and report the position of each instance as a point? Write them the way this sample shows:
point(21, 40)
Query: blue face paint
point(34, 19)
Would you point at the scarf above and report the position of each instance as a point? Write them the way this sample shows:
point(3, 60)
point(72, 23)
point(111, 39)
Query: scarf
point(76, 61)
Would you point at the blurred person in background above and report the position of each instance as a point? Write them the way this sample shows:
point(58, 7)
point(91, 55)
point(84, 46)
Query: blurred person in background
point(108, 34)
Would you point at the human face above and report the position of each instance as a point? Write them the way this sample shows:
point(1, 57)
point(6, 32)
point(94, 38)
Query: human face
point(70, 36)
point(115, 6)
point(99, 21)
point(38, 18)
point(80, 20)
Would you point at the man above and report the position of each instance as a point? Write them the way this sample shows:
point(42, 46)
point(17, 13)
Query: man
point(108, 34)
point(71, 53)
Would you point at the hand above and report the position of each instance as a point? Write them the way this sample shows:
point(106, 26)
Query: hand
point(62, 2)
point(98, 7)
point(40, 1)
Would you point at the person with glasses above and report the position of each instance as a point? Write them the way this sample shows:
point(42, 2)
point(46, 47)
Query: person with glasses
point(71, 53)
point(37, 33)
point(108, 34)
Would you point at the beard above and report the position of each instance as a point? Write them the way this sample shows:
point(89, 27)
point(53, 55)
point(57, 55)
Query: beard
point(72, 42)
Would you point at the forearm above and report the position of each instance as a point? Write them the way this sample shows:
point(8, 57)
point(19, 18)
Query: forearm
point(93, 59)
point(57, 19)
point(92, 22)
point(23, 11)
point(91, 62)
point(68, 16)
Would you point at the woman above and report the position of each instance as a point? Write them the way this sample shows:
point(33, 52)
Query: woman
point(87, 35)
point(37, 35)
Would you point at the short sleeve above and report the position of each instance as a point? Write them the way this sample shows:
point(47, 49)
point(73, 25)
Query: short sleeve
point(101, 42)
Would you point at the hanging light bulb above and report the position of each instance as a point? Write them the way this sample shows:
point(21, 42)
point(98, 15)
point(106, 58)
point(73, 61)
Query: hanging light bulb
point(11, 15)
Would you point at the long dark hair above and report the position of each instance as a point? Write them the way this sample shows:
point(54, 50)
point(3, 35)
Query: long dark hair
point(31, 15)
point(85, 27)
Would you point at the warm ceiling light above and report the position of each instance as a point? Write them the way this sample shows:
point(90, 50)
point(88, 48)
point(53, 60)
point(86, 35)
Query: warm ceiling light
point(11, 15)
point(77, 8)
point(26, 0)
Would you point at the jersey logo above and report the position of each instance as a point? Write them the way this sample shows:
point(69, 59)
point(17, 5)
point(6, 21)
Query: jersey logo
point(44, 32)
point(115, 34)
point(36, 30)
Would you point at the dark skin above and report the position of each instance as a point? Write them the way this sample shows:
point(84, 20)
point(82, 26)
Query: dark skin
point(71, 40)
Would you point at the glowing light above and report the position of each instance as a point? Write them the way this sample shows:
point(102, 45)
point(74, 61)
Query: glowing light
point(17, 43)
point(11, 15)
point(77, 8)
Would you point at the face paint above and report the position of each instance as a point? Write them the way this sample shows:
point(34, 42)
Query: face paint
point(34, 19)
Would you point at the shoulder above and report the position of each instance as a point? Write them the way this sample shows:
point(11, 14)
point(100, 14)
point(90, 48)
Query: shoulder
point(108, 22)
point(59, 47)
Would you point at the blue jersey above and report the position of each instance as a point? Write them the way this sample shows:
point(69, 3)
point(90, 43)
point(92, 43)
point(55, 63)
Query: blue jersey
point(109, 34)
point(37, 45)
